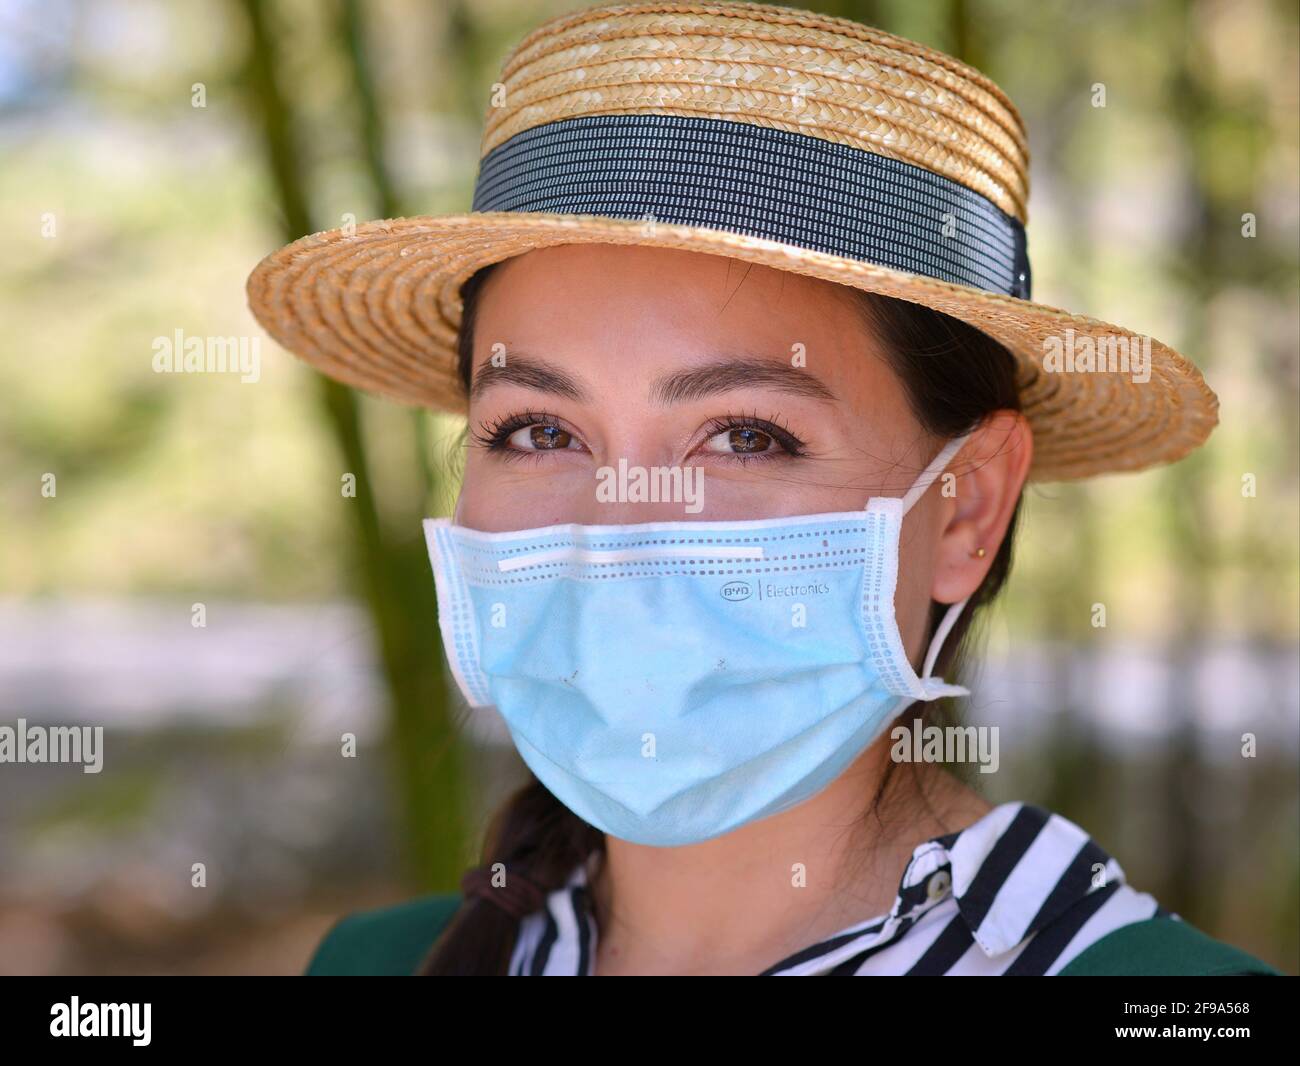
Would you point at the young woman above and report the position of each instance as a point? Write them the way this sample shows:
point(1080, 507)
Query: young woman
point(741, 325)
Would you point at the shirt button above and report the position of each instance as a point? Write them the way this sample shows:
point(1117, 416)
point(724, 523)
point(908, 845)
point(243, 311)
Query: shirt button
point(938, 885)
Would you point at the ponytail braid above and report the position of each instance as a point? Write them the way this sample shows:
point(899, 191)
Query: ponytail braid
point(532, 835)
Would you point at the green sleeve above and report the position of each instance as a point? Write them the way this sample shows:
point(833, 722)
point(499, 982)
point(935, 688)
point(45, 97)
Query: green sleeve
point(1163, 947)
point(386, 941)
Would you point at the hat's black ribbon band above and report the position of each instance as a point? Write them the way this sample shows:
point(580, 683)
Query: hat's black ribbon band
point(784, 186)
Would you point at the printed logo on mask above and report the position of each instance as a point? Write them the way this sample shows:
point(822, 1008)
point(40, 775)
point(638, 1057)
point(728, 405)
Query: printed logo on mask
point(773, 592)
point(735, 591)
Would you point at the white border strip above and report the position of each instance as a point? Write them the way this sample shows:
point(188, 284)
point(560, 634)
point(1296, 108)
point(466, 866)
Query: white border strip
point(570, 554)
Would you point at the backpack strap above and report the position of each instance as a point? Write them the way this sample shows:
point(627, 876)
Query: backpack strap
point(384, 941)
point(1165, 946)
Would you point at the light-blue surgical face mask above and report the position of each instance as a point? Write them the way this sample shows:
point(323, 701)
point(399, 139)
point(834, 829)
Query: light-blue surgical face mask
point(671, 681)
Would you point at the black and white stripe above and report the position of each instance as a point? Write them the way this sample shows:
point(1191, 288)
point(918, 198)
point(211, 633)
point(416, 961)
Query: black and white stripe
point(560, 939)
point(1020, 892)
point(790, 187)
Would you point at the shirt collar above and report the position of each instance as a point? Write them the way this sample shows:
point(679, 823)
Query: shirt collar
point(1004, 872)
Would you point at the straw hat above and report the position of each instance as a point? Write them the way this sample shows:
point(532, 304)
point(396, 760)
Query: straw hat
point(776, 136)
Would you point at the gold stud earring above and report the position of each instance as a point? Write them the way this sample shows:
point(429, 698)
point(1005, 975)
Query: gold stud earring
point(978, 553)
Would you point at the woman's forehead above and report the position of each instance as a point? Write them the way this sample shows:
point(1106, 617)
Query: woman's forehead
point(651, 270)
point(651, 311)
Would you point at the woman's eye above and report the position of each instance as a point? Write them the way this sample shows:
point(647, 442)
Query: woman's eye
point(740, 441)
point(540, 439)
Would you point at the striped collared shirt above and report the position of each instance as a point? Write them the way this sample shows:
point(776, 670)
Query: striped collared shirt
point(1022, 891)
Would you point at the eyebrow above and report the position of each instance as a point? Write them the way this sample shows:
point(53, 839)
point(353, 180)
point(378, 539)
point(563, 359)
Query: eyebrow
point(529, 372)
point(680, 386)
point(737, 373)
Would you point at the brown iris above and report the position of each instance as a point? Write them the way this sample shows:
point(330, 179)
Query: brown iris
point(549, 437)
point(748, 440)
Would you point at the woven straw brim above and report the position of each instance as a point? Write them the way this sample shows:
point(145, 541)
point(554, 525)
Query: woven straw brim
point(380, 309)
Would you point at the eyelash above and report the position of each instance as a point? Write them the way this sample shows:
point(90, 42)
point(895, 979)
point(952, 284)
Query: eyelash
point(493, 434)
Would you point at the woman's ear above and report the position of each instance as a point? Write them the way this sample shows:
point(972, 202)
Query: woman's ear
point(990, 472)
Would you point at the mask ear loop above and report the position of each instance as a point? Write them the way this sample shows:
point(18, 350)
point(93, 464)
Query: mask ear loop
point(928, 477)
point(940, 635)
point(931, 473)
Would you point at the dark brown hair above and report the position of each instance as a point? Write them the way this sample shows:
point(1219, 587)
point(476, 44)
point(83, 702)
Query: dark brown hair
point(953, 376)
